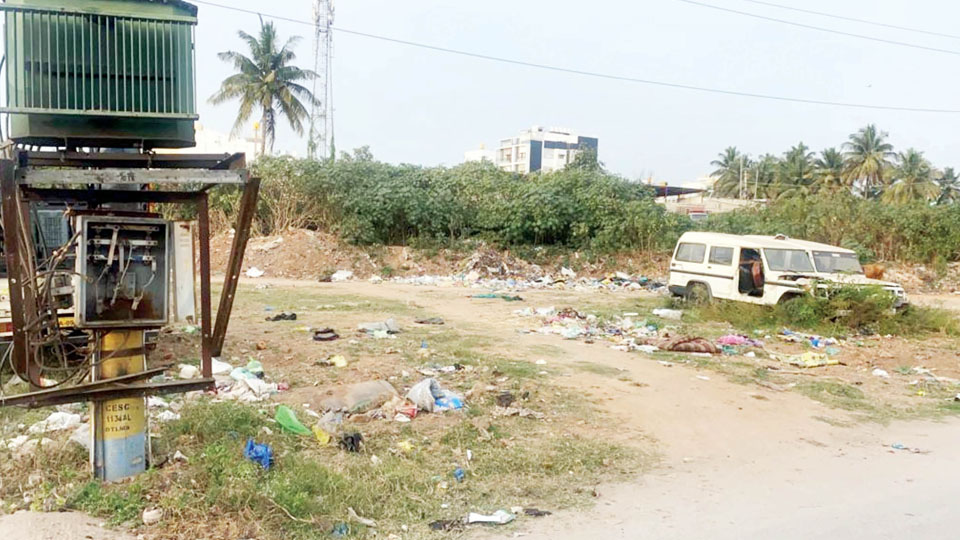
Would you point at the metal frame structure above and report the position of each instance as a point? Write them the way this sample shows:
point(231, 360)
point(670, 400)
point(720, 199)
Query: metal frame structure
point(25, 178)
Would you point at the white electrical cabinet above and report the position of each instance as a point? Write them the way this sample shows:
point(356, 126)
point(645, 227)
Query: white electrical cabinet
point(122, 273)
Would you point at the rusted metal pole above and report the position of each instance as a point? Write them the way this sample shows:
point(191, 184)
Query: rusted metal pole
point(248, 208)
point(203, 217)
point(10, 209)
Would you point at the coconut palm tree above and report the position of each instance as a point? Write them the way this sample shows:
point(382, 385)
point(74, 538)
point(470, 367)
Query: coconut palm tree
point(949, 183)
point(868, 158)
point(731, 167)
point(913, 179)
point(266, 83)
point(796, 172)
point(763, 177)
point(829, 170)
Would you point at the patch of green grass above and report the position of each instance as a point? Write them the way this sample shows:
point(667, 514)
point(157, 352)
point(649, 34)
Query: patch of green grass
point(598, 369)
point(300, 299)
point(515, 461)
point(118, 503)
point(846, 310)
point(837, 395)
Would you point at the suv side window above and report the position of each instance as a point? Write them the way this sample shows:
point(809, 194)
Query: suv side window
point(691, 252)
point(721, 255)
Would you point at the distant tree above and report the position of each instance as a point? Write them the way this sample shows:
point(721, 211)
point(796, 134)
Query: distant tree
point(763, 177)
point(868, 157)
point(829, 170)
point(731, 166)
point(266, 83)
point(796, 172)
point(913, 176)
point(949, 184)
point(586, 160)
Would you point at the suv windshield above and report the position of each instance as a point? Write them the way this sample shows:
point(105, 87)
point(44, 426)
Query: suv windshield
point(830, 262)
point(788, 260)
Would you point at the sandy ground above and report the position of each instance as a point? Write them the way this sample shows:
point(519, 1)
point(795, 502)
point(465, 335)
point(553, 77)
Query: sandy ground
point(61, 526)
point(736, 461)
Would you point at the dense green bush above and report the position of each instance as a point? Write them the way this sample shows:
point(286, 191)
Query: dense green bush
point(369, 202)
point(916, 232)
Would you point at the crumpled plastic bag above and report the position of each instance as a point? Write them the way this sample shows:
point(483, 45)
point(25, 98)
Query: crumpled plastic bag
point(425, 394)
point(258, 453)
point(288, 420)
point(358, 398)
point(428, 396)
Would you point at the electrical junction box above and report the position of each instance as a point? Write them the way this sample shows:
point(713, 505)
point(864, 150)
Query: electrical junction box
point(122, 272)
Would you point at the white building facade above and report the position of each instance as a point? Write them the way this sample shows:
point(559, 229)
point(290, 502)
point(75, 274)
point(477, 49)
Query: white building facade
point(538, 149)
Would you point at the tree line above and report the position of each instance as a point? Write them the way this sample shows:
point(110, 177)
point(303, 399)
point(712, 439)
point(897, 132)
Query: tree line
point(866, 165)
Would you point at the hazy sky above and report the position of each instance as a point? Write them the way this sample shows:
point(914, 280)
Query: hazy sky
point(419, 106)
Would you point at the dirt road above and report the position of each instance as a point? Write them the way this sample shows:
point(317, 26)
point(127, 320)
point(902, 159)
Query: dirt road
point(737, 462)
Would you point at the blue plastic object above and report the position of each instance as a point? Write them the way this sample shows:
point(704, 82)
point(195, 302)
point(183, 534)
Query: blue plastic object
point(259, 453)
point(448, 402)
point(459, 474)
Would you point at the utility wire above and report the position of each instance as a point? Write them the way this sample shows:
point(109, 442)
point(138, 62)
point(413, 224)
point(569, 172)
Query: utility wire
point(596, 74)
point(856, 20)
point(821, 29)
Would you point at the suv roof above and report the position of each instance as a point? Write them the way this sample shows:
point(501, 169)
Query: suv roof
point(758, 241)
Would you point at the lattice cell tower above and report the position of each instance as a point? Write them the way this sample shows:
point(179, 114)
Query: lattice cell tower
point(321, 114)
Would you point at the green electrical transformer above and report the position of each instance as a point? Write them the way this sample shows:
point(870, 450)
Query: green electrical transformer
point(100, 73)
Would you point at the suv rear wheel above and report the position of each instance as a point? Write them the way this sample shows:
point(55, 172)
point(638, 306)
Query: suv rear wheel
point(698, 294)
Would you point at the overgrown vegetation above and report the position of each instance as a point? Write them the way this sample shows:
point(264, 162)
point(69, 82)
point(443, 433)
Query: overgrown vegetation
point(370, 202)
point(845, 310)
point(915, 232)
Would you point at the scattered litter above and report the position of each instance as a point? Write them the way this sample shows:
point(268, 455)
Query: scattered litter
point(341, 275)
point(703, 377)
point(363, 521)
point(254, 272)
point(82, 436)
point(649, 349)
point(446, 525)
point(188, 372)
point(882, 373)
point(336, 360)
point(321, 435)
point(536, 512)
point(541, 362)
point(431, 320)
point(899, 446)
point(428, 396)
point(505, 399)
point(288, 420)
point(389, 326)
point(220, 367)
point(258, 453)
point(359, 397)
point(507, 297)
point(340, 530)
point(518, 411)
point(325, 334)
point(167, 416)
point(55, 422)
point(285, 316)
point(671, 314)
point(178, 457)
point(500, 517)
point(151, 517)
point(687, 344)
point(811, 359)
point(351, 442)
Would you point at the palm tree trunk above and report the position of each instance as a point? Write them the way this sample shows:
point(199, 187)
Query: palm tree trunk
point(263, 133)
